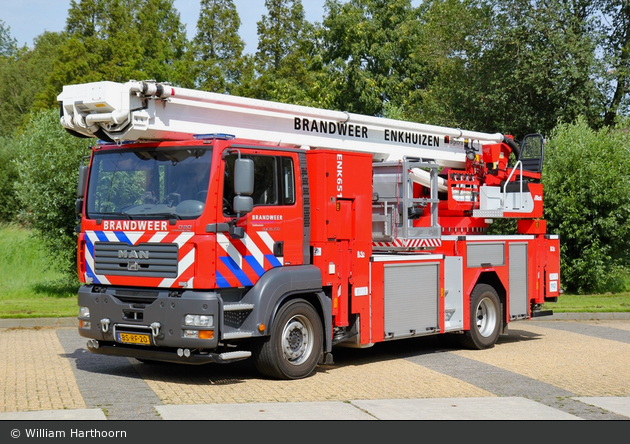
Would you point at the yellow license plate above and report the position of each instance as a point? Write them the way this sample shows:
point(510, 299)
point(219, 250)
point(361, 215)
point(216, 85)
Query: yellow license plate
point(132, 338)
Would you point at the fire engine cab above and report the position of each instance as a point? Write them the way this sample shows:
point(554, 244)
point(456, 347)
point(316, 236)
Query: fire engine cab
point(216, 228)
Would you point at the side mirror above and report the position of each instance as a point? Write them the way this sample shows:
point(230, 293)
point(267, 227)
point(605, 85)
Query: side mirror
point(243, 189)
point(243, 176)
point(243, 204)
point(78, 207)
point(83, 174)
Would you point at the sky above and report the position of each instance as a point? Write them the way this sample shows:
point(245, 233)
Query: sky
point(29, 18)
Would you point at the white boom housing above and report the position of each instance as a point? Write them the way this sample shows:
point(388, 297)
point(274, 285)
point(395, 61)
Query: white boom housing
point(136, 111)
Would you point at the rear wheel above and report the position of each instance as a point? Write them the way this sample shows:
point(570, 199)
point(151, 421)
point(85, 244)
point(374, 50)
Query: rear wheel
point(295, 344)
point(485, 318)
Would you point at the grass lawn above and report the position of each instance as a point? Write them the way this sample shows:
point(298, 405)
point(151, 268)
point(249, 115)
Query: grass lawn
point(29, 287)
point(592, 303)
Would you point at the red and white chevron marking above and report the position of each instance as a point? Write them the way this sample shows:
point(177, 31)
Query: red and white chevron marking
point(409, 243)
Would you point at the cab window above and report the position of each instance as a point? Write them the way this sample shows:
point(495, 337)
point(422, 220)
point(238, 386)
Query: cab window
point(274, 181)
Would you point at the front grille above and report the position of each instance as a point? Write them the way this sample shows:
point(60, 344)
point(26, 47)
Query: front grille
point(143, 260)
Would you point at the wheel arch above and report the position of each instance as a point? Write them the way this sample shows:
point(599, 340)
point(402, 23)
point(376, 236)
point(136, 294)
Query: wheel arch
point(320, 302)
point(283, 284)
point(491, 278)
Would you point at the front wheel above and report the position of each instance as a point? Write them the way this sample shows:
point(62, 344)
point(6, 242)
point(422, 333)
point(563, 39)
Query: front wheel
point(485, 318)
point(295, 344)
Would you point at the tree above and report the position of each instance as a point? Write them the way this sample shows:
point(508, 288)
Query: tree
point(23, 81)
point(587, 202)
point(278, 31)
point(8, 176)
point(47, 160)
point(526, 65)
point(371, 55)
point(102, 44)
point(163, 42)
point(119, 40)
point(617, 47)
point(286, 64)
point(218, 48)
point(8, 44)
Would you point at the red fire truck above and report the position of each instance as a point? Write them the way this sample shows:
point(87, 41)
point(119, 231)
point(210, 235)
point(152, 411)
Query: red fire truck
point(215, 228)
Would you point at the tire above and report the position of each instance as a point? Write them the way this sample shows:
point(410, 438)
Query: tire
point(485, 319)
point(293, 349)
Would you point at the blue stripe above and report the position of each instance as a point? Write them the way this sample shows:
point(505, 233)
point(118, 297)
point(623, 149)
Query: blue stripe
point(221, 281)
point(91, 274)
point(101, 236)
point(273, 260)
point(258, 269)
point(90, 246)
point(122, 237)
point(236, 271)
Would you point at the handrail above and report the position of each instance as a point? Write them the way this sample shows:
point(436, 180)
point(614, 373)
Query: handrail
point(504, 192)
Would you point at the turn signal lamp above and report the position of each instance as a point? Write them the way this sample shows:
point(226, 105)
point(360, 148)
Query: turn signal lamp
point(84, 312)
point(198, 334)
point(206, 334)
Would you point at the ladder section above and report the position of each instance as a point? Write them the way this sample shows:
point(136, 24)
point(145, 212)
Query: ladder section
point(134, 110)
point(395, 208)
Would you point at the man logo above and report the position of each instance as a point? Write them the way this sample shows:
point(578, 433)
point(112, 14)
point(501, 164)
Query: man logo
point(133, 254)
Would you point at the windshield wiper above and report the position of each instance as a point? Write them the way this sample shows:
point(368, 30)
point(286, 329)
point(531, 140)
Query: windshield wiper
point(169, 215)
point(109, 215)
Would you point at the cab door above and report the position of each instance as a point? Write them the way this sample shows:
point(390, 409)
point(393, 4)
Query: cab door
point(273, 231)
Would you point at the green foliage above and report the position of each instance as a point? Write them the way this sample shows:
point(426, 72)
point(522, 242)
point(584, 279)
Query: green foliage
point(286, 66)
point(8, 175)
point(162, 40)
point(119, 40)
point(371, 55)
point(47, 159)
point(587, 202)
point(8, 45)
point(23, 81)
point(278, 31)
point(522, 66)
point(217, 47)
point(617, 55)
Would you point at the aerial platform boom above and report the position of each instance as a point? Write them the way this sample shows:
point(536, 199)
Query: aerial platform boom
point(154, 111)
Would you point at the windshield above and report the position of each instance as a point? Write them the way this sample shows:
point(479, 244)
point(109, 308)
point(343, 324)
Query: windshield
point(149, 184)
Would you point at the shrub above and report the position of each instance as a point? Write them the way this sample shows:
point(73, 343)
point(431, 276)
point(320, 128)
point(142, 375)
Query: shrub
point(587, 202)
point(8, 176)
point(47, 163)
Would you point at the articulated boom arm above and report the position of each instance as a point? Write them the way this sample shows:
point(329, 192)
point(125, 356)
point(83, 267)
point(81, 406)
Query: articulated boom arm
point(153, 111)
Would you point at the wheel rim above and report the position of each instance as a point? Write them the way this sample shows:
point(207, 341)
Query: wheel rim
point(297, 340)
point(486, 317)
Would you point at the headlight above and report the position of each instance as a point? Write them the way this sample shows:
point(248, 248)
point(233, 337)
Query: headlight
point(84, 312)
point(199, 320)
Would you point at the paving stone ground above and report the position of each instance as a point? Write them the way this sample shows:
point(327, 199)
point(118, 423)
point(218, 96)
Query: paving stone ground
point(559, 365)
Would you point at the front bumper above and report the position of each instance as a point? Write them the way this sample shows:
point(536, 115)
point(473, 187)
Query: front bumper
point(181, 356)
point(156, 314)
